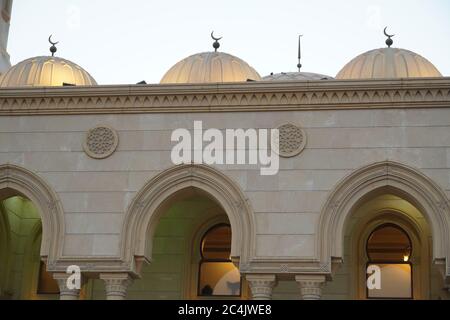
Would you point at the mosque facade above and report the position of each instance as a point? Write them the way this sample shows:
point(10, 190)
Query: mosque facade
point(355, 204)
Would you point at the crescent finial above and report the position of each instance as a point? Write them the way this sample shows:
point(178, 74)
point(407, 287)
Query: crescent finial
point(214, 38)
point(387, 35)
point(50, 40)
point(389, 41)
point(53, 47)
point(216, 43)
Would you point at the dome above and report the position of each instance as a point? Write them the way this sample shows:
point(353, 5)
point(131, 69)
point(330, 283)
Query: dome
point(388, 63)
point(210, 67)
point(299, 76)
point(46, 71)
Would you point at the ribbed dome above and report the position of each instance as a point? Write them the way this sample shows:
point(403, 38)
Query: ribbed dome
point(388, 63)
point(210, 67)
point(46, 71)
point(296, 76)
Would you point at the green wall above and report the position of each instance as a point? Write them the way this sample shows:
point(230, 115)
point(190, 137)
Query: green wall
point(168, 276)
point(22, 230)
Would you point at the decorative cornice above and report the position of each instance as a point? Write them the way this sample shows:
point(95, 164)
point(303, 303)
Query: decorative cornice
point(254, 96)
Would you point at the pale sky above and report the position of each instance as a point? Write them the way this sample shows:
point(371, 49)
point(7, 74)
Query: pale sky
point(126, 41)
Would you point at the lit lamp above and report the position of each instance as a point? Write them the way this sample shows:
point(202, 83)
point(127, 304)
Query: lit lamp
point(406, 255)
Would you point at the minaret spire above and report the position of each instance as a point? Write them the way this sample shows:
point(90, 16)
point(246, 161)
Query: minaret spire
point(299, 65)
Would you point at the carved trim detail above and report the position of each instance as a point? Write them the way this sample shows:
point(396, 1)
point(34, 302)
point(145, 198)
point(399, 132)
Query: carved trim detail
point(336, 94)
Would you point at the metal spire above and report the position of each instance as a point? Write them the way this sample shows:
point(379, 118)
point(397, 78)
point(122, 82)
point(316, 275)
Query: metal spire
point(216, 43)
point(389, 41)
point(299, 65)
point(53, 47)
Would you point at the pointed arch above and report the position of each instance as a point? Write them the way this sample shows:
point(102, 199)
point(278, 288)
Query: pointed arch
point(146, 208)
point(390, 176)
point(17, 180)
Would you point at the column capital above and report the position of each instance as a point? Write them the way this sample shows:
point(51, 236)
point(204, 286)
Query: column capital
point(261, 285)
point(116, 285)
point(66, 293)
point(310, 286)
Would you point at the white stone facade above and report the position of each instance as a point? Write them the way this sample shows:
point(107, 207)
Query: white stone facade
point(105, 207)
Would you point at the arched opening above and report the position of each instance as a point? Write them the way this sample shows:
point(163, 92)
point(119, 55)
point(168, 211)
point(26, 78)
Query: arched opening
point(150, 203)
point(31, 229)
point(178, 206)
point(217, 275)
point(190, 252)
point(386, 234)
point(384, 193)
point(388, 243)
point(176, 258)
point(23, 274)
point(386, 216)
point(388, 250)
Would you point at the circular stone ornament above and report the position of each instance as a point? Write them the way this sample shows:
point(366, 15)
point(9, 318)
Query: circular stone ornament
point(101, 142)
point(291, 141)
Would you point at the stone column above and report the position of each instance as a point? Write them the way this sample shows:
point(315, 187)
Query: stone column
point(64, 292)
point(310, 286)
point(116, 285)
point(261, 285)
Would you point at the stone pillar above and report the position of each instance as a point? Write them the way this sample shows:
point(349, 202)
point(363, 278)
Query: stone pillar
point(116, 285)
point(310, 286)
point(64, 292)
point(261, 285)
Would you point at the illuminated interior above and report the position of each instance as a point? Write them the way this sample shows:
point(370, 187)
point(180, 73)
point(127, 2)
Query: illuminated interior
point(217, 274)
point(389, 249)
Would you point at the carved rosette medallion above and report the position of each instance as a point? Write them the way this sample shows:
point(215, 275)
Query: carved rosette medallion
point(100, 142)
point(291, 140)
